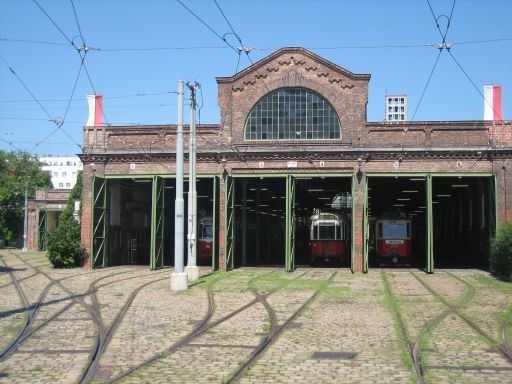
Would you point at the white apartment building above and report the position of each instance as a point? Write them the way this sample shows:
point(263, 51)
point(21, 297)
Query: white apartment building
point(62, 169)
point(396, 108)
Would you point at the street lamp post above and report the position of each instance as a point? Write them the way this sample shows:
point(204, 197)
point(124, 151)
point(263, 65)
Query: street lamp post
point(25, 220)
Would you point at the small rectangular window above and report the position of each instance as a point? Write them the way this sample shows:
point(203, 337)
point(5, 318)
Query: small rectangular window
point(64, 174)
point(61, 185)
point(55, 174)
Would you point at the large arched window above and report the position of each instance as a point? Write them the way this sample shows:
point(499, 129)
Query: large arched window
point(292, 114)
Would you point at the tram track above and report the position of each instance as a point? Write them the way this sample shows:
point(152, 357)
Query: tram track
point(275, 331)
point(504, 349)
point(23, 300)
point(205, 325)
point(414, 346)
point(105, 333)
point(28, 329)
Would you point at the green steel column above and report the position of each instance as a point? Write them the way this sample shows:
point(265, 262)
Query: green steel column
point(214, 222)
point(494, 208)
point(430, 226)
point(153, 224)
point(270, 232)
point(157, 223)
point(43, 229)
point(366, 225)
point(286, 223)
point(353, 227)
point(289, 224)
point(244, 222)
point(99, 225)
point(229, 233)
point(257, 246)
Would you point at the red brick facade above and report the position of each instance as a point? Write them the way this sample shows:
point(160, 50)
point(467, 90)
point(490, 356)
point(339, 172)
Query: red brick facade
point(45, 200)
point(401, 147)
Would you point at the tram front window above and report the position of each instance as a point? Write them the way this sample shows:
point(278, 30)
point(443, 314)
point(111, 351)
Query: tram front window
point(326, 232)
point(207, 231)
point(390, 230)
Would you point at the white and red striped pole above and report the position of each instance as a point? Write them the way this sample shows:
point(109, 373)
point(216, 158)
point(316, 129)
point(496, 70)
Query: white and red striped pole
point(492, 103)
point(95, 103)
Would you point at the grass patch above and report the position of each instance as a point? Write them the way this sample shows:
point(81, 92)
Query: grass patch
point(506, 318)
point(493, 282)
point(266, 325)
point(393, 306)
point(336, 292)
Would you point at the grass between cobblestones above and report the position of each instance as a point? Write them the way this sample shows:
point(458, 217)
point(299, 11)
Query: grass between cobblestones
point(393, 306)
point(493, 282)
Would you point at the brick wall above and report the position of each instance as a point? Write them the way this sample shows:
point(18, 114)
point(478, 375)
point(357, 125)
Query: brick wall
point(401, 147)
point(346, 92)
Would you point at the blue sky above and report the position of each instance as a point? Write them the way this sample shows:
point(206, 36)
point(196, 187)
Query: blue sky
point(50, 70)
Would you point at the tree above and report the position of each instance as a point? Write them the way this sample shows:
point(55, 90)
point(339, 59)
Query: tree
point(501, 250)
point(16, 170)
point(64, 247)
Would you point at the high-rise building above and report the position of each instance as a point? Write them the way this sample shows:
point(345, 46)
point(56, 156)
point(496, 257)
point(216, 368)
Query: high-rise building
point(396, 108)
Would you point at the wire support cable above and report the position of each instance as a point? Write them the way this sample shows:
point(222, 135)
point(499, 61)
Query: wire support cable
point(242, 47)
point(207, 26)
point(426, 84)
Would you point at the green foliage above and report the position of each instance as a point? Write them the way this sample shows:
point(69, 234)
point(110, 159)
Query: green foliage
point(16, 169)
point(63, 243)
point(501, 250)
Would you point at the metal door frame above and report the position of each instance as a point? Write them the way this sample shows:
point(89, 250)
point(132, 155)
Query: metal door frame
point(229, 214)
point(157, 223)
point(290, 224)
point(43, 229)
point(99, 227)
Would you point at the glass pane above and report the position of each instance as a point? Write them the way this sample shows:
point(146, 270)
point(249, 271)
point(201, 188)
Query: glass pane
point(207, 231)
point(394, 230)
point(292, 114)
point(326, 232)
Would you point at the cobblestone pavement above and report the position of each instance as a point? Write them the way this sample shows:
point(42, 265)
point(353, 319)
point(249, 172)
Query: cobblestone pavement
point(252, 325)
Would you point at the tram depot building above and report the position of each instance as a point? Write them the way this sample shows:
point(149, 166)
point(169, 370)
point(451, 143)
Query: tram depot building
point(294, 141)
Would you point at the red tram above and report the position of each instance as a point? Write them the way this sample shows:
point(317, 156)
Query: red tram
point(205, 239)
point(393, 240)
point(329, 237)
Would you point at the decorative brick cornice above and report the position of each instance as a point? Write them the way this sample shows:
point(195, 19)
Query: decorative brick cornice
point(304, 155)
point(291, 50)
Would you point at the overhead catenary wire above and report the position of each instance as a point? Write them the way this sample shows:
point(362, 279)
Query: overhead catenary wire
point(81, 50)
point(57, 122)
point(10, 143)
point(78, 23)
point(54, 23)
point(50, 118)
point(426, 84)
point(199, 47)
point(242, 47)
point(82, 99)
point(441, 47)
point(470, 80)
point(61, 125)
point(207, 26)
point(85, 107)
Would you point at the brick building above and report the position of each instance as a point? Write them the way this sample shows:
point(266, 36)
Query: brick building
point(43, 215)
point(293, 138)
